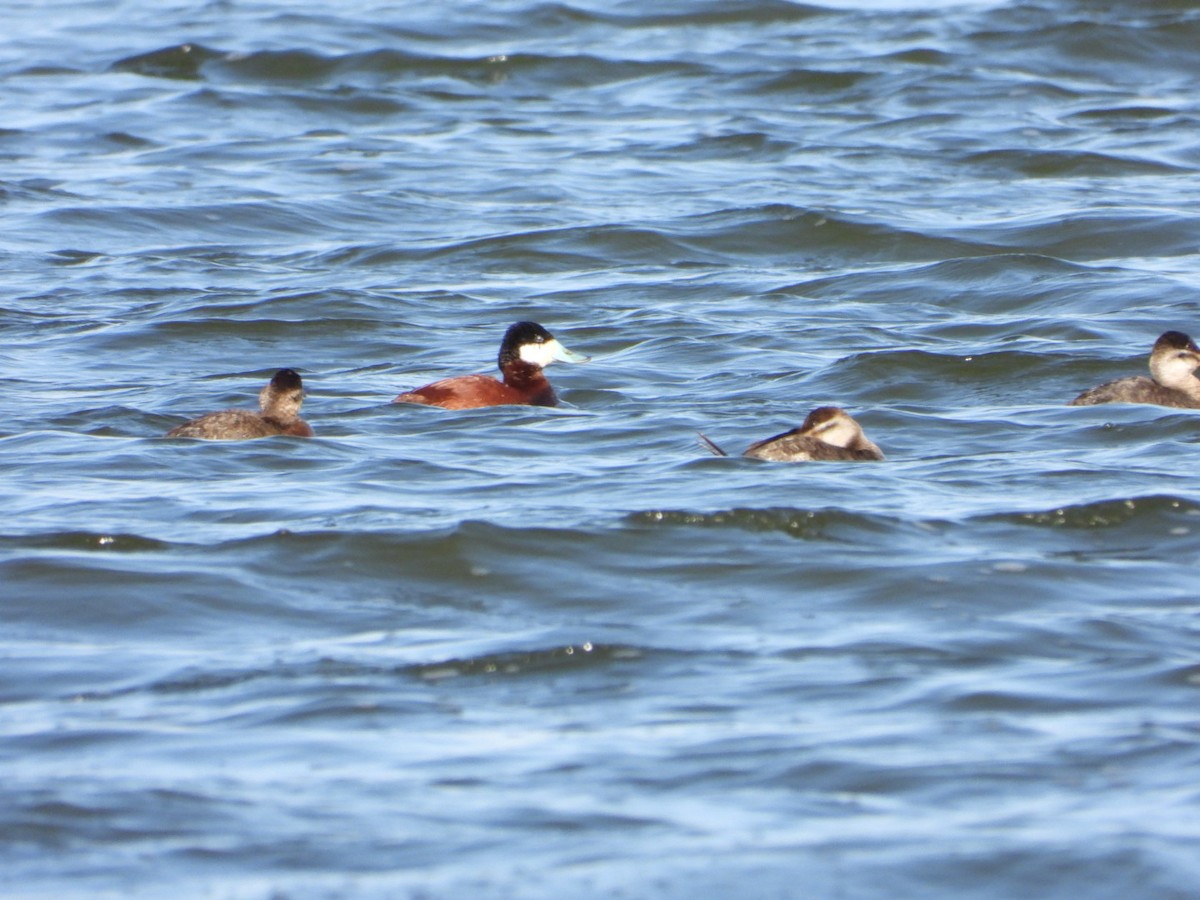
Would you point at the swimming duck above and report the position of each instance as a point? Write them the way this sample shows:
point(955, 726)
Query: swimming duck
point(828, 433)
point(279, 413)
point(527, 348)
point(1174, 360)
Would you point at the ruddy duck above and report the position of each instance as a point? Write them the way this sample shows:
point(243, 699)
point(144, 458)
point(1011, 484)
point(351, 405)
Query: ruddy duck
point(527, 347)
point(279, 402)
point(1173, 364)
point(828, 433)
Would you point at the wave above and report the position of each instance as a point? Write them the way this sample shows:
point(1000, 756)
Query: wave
point(1155, 514)
point(1070, 164)
point(196, 62)
point(1160, 40)
point(566, 658)
point(1163, 516)
point(802, 523)
point(727, 234)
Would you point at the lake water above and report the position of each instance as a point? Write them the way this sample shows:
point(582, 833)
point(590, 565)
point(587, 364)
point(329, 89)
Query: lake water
point(521, 652)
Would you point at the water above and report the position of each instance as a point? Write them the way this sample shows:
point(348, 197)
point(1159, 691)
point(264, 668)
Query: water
point(521, 652)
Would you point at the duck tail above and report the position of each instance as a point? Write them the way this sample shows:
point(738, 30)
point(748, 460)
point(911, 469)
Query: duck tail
point(712, 447)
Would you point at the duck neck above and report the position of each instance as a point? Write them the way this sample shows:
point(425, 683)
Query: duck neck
point(522, 375)
point(530, 381)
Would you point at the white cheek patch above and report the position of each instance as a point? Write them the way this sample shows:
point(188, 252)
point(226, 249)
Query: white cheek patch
point(1181, 368)
point(838, 432)
point(539, 354)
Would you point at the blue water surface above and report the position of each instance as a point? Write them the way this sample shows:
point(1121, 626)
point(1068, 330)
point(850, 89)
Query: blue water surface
point(522, 652)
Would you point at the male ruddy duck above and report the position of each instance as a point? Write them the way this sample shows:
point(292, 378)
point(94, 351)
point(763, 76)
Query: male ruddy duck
point(527, 347)
point(828, 433)
point(279, 404)
point(1173, 364)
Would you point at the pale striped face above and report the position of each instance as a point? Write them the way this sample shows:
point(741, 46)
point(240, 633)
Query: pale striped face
point(834, 427)
point(1176, 367)
point(282, 396)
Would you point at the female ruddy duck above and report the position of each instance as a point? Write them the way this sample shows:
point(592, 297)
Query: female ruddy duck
point(527, 347)
point(1173, 364)
point(279, 402)
point(828, 433)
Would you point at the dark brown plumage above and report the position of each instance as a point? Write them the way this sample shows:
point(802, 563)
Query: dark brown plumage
point(828, 433)
point(279, 404)
point(1174, 360)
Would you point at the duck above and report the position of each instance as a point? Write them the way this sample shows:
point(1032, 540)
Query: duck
point(828, 433)
point(1174, 359)
point(526, 350)
point(279, 413)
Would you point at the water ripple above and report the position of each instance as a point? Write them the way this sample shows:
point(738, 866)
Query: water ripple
point(533, 651)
